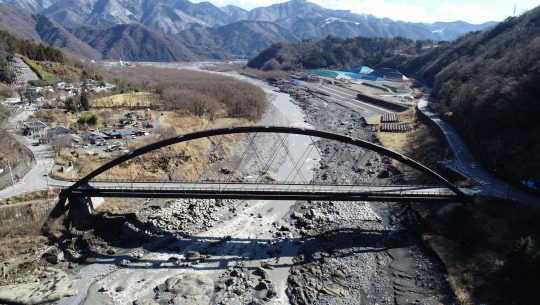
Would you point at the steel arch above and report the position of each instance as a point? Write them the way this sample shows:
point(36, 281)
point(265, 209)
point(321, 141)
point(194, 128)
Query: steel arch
point(269, 129)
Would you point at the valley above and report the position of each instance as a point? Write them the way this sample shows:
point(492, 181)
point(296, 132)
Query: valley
point(187, 31)
point(160, 152)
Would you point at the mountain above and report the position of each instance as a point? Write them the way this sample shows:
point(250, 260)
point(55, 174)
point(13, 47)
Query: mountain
point(486, 84)
point(134, 42)
point(70, 12)
point(198, 30)
point(11, 45)
point(36, 6)
point(238, 38)
point(168, 16)
point(311, 21)
point(305, 19)
point(41, 29)
point(334, 52)
point(234, 12)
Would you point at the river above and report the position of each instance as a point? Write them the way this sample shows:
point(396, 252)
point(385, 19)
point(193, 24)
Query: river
point(249, 234)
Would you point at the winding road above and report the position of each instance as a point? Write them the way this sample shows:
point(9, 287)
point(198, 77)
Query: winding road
point(465, 164)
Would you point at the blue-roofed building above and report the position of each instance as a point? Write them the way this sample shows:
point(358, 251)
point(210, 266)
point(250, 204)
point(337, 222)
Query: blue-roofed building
point(358, 70)
point(388, 74)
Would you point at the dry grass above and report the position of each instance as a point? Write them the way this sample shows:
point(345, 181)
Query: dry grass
point(117, 205)
point(177, 162)
point(11, 247)
point(194, 92)
point(55, 117)
point(62, 71)
point(127, 100)
point(31, 196)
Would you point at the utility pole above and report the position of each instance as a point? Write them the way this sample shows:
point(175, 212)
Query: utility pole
point(515, 6)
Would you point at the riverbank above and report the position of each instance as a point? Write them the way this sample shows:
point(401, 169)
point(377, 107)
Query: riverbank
point(259, 252)
point(362, 253)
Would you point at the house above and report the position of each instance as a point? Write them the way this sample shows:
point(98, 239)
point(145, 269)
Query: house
point(13, 102)
point(88, 84)
point(60, 85)
point(128, 132)
point(112, 134)
point(92, 137)
point(33, 127)
point(35, 90)
point(58, 131)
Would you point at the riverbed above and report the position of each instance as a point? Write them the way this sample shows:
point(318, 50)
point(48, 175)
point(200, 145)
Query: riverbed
point(251, 232)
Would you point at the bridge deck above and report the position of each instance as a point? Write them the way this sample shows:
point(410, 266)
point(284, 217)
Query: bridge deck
point(277, 191)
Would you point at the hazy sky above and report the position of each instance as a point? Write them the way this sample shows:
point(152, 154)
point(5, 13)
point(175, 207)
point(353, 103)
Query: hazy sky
point(473, 11)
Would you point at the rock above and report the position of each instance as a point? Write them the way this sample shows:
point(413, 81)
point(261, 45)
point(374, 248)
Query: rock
point(259, 271)
point(230, 281)
point(55, 285)
point(271, 293)
point(236, 273)
point(190, 289)
point(297, 215)
point(193, 255)
point(334, 291)
point(267, 265)
point(53, 256)
point(384, 174)
point(285, 228)
point(220, 286)
point(262, 286)
point(226, 171)
point(120, 289)
point(102, 289)
point(239, 291)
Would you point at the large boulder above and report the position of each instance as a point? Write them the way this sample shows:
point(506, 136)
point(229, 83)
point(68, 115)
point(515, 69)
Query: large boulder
point(190, 289)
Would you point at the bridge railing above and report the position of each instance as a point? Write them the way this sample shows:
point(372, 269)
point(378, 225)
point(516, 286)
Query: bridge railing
point(413, 190)
point(275, 183)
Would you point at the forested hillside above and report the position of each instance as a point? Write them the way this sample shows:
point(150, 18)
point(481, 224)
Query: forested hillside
point(337, 52)
point(485, 83)
point(10, 45)
point(487, 86)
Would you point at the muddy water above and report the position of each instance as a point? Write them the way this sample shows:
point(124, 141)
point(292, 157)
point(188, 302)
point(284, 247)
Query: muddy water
point(250, 234)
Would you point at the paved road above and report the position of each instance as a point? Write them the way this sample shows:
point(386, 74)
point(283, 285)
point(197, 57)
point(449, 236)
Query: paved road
point(465, 164)
point(36, 178)
point(108, 188)
point(23, 73)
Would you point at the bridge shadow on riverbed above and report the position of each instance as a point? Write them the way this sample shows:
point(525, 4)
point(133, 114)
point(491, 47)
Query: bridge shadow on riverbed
point(127, 232)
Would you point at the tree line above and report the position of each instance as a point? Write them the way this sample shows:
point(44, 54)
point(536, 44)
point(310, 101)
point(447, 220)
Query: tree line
point(486, 84)
point(334, 52)
point(193, 92)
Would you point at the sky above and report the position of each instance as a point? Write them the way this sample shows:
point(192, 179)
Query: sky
point(472, 11)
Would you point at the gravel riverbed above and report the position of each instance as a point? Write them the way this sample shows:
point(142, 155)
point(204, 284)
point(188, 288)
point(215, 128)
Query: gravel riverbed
point(195, 251)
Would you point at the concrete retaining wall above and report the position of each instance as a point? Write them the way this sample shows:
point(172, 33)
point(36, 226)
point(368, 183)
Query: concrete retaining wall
point(382, 103)
point(25, 217)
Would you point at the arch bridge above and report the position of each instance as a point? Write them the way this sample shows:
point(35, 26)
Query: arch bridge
point(279, 163)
